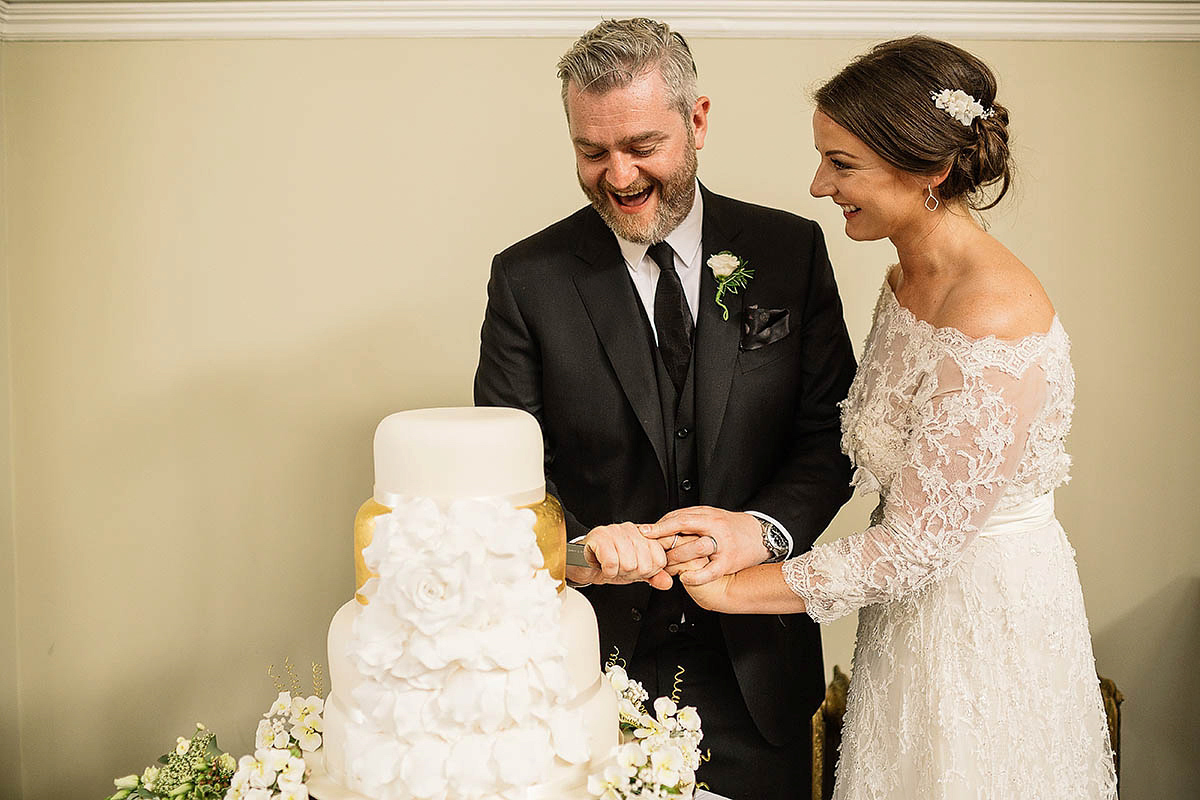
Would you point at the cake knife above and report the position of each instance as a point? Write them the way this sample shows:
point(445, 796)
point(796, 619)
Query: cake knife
point(579, 556)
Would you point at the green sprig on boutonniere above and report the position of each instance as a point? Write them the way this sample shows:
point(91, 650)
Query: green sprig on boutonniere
point(732, 274)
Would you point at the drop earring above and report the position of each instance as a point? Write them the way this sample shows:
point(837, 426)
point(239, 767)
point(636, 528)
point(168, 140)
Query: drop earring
point(929, 189)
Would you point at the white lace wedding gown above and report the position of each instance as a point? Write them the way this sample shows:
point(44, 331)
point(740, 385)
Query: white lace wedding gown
point(973, 672)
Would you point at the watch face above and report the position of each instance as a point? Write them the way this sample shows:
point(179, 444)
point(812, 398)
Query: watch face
point(773, 539)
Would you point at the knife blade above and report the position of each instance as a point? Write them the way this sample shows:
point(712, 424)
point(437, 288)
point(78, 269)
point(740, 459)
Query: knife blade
point(579, 556)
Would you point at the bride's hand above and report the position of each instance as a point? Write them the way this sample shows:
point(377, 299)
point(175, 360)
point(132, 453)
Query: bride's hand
point(756, 590)
point(711, 594)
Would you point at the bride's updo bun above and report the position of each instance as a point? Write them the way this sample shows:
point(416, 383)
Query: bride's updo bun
point(884, 97)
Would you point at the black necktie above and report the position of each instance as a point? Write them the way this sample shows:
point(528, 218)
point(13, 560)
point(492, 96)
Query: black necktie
point(672, 317)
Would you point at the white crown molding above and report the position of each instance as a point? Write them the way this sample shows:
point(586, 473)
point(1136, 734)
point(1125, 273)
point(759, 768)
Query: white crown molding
point(276, 19)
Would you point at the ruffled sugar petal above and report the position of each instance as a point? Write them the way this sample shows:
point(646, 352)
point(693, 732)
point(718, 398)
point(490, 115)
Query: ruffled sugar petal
point(471, 769)
point(423, 768)
point(568, 737)
point(523, 754)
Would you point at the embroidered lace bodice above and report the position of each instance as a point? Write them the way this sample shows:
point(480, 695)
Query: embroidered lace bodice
point(948, 429)
point(973, 674)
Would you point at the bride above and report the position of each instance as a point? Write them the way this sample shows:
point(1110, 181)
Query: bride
point(973, 669)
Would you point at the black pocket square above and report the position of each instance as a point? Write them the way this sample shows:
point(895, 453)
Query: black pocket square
point(762, 326)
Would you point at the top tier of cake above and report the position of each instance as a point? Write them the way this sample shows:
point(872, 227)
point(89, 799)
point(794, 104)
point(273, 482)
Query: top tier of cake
point(453, 453)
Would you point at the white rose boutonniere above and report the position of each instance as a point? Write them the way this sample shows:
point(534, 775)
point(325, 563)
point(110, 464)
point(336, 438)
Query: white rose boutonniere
point(732, 274)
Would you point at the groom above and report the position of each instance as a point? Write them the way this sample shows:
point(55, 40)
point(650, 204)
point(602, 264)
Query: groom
point(609, 328)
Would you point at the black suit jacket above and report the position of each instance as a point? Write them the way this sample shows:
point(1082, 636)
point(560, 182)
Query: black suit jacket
point(564, 337)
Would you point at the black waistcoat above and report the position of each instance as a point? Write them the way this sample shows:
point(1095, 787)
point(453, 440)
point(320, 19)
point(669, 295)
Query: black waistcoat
point(667, 608)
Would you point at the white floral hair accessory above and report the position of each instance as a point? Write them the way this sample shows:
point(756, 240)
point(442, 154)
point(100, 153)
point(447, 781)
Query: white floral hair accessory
point(960, 105)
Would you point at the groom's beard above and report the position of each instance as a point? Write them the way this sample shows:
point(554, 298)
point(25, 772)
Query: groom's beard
point(675, 197)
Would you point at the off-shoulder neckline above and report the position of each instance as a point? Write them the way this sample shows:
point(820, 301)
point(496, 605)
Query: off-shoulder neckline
point(1055, 324)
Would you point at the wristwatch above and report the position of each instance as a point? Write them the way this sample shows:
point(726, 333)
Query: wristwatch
point(774, 540)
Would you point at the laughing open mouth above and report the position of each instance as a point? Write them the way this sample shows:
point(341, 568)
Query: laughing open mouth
point(632, 200)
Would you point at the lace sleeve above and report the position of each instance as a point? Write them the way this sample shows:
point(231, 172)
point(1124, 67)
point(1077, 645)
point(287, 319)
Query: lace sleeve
point(967, 440)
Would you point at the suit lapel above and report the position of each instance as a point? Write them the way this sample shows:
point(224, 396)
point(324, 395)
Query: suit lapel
point(616, 315)
point(716, 338)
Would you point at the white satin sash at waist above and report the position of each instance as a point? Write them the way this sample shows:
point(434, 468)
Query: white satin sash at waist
point(1032, 515)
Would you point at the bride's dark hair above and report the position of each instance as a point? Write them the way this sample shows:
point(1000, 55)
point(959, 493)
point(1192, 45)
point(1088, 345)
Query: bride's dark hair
point(883, 98)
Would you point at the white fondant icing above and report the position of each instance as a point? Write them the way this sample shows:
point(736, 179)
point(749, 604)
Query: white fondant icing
point(453, 453)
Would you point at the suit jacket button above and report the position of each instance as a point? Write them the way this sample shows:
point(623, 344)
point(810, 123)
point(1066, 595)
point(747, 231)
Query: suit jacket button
point(683, 432)
point(637, 615)
point(685, 485)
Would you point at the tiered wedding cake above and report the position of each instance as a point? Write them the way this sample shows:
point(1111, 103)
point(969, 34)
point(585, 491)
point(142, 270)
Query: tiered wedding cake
point(464, 667)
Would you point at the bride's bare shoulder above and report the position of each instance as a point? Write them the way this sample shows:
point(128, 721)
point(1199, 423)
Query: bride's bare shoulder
point(998, 297)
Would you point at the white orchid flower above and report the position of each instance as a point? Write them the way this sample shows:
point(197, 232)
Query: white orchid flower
point(260, 776)
point(664, 707)
point(307, 732)
point(264, 736)
point(274, 759)
point(293, 771)
point(282, 705)
point(306, 706)
point(688, 718)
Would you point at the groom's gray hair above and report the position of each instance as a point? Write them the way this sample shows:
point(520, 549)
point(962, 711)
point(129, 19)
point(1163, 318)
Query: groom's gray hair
point(617, 51)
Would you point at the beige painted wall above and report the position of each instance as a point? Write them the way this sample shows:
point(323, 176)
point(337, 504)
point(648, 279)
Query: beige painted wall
point(10, 757)
point(226, 261)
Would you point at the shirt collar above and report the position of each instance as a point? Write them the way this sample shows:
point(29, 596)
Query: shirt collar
point(684, 240)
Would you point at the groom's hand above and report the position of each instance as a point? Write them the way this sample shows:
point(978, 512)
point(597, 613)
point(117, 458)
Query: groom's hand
point(622, 555)
point(730, 540)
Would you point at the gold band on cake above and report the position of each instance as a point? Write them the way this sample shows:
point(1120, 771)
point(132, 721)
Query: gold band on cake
point(550, 526)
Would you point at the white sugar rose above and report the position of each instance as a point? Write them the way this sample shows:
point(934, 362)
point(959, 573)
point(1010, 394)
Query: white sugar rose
point(431, 598)
point(723, 264)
